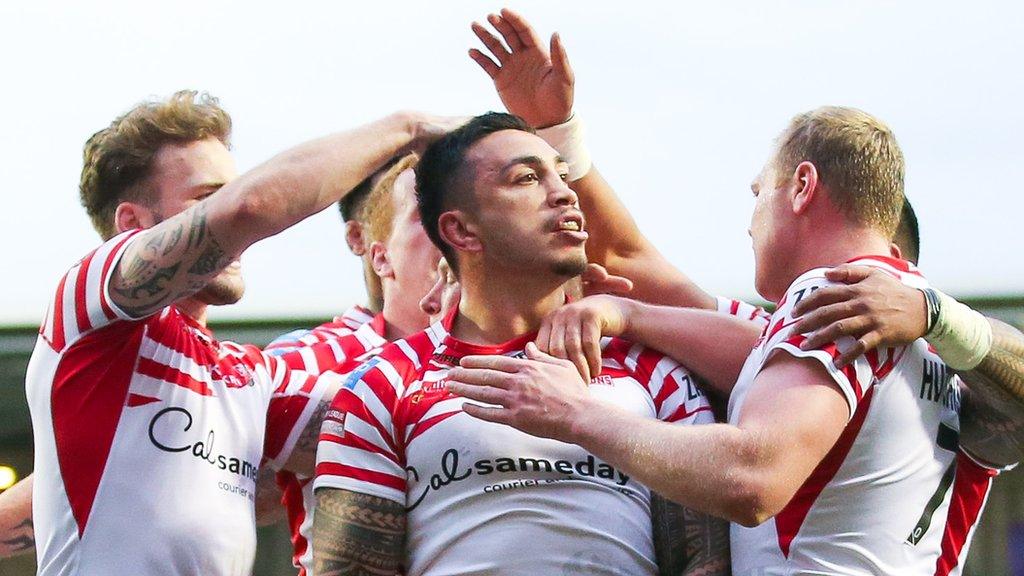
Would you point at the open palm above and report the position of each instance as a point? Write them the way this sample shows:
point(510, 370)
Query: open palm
point(533, 82)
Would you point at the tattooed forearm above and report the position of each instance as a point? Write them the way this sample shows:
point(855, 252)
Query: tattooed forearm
point(303, 458)
point(992, 413)
point(19, 540)
point(1003, 367)
point(687, 542)
point(177, 257)
point(357, 534)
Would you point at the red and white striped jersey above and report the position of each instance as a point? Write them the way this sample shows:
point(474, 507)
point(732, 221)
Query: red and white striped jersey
point(149, 434)
point(488, 499)
point(896, 494)
point(339, 327)
point(742, 310)
point(340, 350)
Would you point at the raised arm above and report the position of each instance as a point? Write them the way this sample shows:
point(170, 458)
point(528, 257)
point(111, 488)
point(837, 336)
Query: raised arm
point(17, 535)
point(877, 309)
point(180, 255)
point(535, 81)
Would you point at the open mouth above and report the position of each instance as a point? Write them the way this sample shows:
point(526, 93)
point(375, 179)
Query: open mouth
point(570, 223)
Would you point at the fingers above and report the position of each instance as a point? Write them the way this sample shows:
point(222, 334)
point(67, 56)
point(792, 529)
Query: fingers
point(507, 32)
point(560, 60)
point(527, 35)
point(485, 394)
point(556, 343)
point(486, 63)
point(544, 334)
point(822, 297)
point(482, 377)
point(852, 327)
point(823, 316)
point(592, 347)
point(848, 273)
point(869, 341)
point(488, 413)
point(492, 43)
point(574, 350)
point(502, 363)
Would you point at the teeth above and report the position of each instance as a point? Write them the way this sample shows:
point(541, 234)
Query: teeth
point(570, 225)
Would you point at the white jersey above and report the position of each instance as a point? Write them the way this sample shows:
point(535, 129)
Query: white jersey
point(149, 434)
point(896, 494)
point(488, 499)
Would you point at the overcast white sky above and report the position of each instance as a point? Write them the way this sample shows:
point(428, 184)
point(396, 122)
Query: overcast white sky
point(682, 100)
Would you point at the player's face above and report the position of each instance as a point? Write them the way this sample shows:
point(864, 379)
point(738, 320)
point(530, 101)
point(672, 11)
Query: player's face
point(771, 232)
point(412, 255)
point(444, 295)
point(185, 174)
point(525, 215)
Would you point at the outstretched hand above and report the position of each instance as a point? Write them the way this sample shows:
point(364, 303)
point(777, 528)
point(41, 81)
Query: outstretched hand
point(533, 82)
point(540, 394)
point(874, 308)
point(574, 331)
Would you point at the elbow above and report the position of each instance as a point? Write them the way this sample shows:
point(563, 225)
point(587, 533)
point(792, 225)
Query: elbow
point(754, 494)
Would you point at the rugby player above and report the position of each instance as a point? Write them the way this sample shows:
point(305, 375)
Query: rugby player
point(825, 467)
point(149, 432)
point(397, 453)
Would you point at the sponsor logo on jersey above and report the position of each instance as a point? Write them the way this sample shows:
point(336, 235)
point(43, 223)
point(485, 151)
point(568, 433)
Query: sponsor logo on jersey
point(162, 434)
point(451, 471)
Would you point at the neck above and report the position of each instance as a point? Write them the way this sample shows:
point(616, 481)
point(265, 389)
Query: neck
point(495, 309)
point(194, 309)
point(836, 244)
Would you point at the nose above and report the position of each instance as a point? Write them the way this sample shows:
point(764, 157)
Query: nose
point(562, 195)
point(431, 303)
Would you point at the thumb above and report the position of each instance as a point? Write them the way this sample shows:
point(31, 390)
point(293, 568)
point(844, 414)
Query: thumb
point(535, 353)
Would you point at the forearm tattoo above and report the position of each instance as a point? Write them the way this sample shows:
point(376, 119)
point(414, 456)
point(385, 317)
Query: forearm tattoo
point(992, 417)
point(357, 534)
point(310, 437)
point(687, 542)
point(24, 539)
point(152, 275)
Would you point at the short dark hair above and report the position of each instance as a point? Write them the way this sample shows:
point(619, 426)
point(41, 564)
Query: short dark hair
point(441, 165)
point(908, 235)
point(352, 205)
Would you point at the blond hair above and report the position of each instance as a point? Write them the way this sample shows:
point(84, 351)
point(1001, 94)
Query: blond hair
point(118, 159)
point(380, 204)
point(857, 158)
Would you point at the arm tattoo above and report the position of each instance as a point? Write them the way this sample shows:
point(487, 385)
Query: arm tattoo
point(310, 437)
point(170, 264)
point(992, 417)
point(687, 542)
point(24, 541)
point(357, 534)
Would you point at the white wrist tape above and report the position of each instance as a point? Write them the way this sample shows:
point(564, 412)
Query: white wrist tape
point(962, 337)
point(567, 139)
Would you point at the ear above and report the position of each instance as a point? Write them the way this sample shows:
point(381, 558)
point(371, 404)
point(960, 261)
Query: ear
point(805, 188)
point(458, 232)
point(895, 251)
point(354, 237)
point(380, 262)
point(131, 216)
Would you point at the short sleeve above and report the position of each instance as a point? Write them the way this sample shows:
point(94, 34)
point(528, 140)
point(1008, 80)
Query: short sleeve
point(853, 380)
point(82, 301)
point(358, 449)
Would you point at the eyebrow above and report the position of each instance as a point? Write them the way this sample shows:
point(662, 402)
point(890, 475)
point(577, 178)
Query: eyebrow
point(531, 161)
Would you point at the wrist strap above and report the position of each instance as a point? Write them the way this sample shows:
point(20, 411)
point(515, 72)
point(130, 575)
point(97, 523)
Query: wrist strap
point(567, 139)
